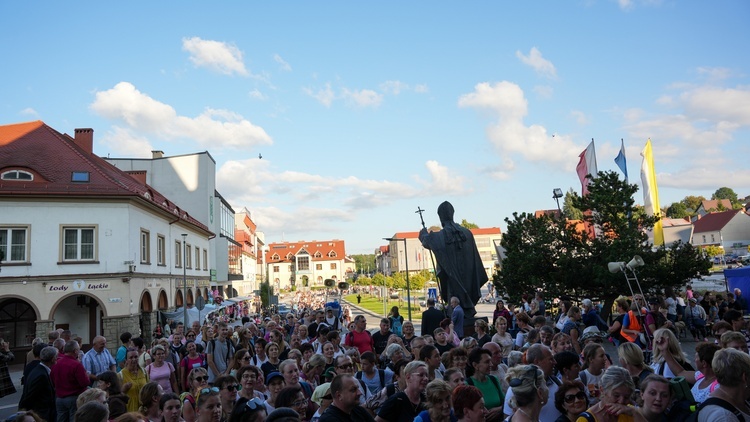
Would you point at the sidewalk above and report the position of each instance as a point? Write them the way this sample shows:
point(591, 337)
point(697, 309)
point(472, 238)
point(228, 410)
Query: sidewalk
point(374, 321)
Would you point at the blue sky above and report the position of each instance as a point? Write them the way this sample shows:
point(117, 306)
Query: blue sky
point(364, 111)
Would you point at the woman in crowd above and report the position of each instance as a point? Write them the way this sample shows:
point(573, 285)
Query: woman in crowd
point(133, 379)
point(503, 338)
point(92, 394)
point(631, 358)
point(92, 412)
point(260, 353)
point(561, 342)
point(293, 398)
point(272, 364)
point(501, 311)
point(170, 408)
point(571, 400)
point(703, 379)
point(615, 329)
point(144, 358)
point(247, 376)
point(480, 360)
point(530, 392)
point(149, 401)
point(404, 406)
point(482, 332)
point(665, 343)
point(313, 369)
point(192, 360)
point(469, 344)
point(562, 316)
point(117, 401)
point(656, 397)
point(568, 367)
point(456, 358)
point(408, 334)
point(322, 398)
point(278, 338)
point(523, 322)
point(438, 403)
point(241, 358)
point(290, 372)
point(454, 377)
point(732, 369)
point(198, 380)
point(334, 337)
point(209, 406)
point(374, 403)
point(245, 340)
point(594, 360)
point(250, 411)
point(450, 333)
point(615, 403)
point(161, 371)
point(430, 355)
point(393, 354)
point(328, 353)
point(396, 320)
point(468, 404)
point(207, 334)
point(296, 355)
point(695, 318)
point(571, 327)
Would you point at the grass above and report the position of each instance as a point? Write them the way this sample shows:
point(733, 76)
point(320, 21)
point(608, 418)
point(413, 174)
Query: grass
point(375, 304)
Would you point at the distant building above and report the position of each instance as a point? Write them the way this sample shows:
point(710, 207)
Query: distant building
point(728, 229)
point(306, 264)
point(708, 206)
point(251, 241)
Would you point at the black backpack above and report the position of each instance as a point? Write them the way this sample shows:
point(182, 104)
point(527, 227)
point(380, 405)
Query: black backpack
point(381, 373)
point(716, 402)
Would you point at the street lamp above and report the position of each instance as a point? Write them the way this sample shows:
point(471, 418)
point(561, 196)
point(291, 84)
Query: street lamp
point(184, 280)
point(406, 259)
point(557, 193)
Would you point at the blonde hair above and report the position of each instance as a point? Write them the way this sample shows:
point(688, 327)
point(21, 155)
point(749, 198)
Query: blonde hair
point(632, 354)
point(89, 395)
point(434, 390)
point(673, 346)
point(729, 337)
point(525, 380)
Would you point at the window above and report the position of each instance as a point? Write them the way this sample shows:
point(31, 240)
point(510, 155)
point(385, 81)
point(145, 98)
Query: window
point(333, 265)
point(161, 246)
point(483, 242)
point(319, 267)
point(713, 238)
point(188, 256)
point(704, 238)
point(275, 268)
point(79, 243)
point(332, 254)
point(177, 254)
point(13, 240)
point(205, 260)
point(303, 263)
point(145, 247)
point(485, 255)
point(197, 258)
point(80, 177)
point(17, 175)
point(318, 255)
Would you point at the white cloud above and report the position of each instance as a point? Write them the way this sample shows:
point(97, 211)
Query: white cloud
point(362, 98)
point(625, 4)
point(215, 55)
point(28, 111)
point(544, 91)
point(719, 104)
point(283, 65)
point(421, 89)
point(212, 128)
point(715, 74)
point(393, 87)
point(126, 144)
point(580, 117)
point(505, 102)
point(324, 95)
point(444, 181)
point(257, 95)
point(697, 178)
point(541, 65)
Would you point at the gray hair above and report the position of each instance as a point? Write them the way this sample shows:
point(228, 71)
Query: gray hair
point(515, 358)
point(393, 348)
point(535, 353)
point(616, 377)
point(48, 354)
point(70, 346)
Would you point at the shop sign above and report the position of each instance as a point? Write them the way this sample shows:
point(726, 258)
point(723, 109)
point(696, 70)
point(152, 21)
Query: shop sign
point(77, 286)
point(153, 284)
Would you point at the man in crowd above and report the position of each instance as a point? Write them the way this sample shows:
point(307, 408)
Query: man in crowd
point(457, 317)
point(431, 317)
point(344, 365)
point(98, 360)
point(346, 402)
point(122, 351)
point(38, 392)
point(360, 337)
point(496, 364)
point(541, 356)
point(381, 337)
point(220, 354)
point(70, 380)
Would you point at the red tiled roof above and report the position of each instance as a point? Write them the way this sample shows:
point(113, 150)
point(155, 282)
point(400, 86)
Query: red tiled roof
point(313, 248)
point(486, 230)
point(713, 221)
point(713, 204)
point(53, 157)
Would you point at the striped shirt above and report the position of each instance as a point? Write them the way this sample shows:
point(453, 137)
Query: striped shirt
point(98, 362)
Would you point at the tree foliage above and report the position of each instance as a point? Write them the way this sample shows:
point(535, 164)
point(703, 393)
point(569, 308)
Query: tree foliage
point(725, 193)
point(692, 203)
point(364, 262)
point(564, 260)
point(569, 211)
point(677, 210)
point(266, 291)
point(468, 225)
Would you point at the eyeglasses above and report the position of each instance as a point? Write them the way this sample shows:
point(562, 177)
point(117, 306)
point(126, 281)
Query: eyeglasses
point(200, 378)
point(347, 366)
point(530, 373)
point(300, 403)
point(232, 387)
point(210, 390)
point(249, 376)
point(569, 398)
point(246, 358)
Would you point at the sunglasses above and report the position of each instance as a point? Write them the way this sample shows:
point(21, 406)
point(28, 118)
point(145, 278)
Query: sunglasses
point(232, 387)
point(210, 390)
point(347, 366)
point(201, 378)
point(569, 398)
point(530, 373)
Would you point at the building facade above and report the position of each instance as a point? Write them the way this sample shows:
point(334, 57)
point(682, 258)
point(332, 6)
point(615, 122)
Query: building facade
point(85, 246)
point(728, 229)
point(306, 264)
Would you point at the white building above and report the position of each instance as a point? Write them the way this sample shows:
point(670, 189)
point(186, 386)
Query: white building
point(307, 264)
point(85, 246)
point(246, 234)
point(728, 229)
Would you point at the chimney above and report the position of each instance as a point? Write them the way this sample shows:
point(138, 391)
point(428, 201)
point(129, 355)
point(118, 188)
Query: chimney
point(157, 154)
point(84, 138)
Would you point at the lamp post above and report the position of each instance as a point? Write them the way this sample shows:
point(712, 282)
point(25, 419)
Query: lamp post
point(406, 260)
point(184, 280)
point(557, 193)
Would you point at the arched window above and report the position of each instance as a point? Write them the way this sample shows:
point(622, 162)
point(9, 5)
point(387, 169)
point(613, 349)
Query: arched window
point(17, 175)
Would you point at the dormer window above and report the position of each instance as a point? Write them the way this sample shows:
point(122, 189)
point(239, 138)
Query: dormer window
point(80, 177)
point(17, 175)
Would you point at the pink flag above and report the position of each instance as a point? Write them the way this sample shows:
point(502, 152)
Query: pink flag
point(586, 165)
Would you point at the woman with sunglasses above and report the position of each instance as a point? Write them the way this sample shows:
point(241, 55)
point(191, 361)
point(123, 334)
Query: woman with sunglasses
point(149, 401)
point(192, 360)
point(198, 379)
point(571, 401)
point(530, 392)
point(133, 379)
point(293, 398)
point(228, 387)
point(241, 358)
point(209, 405)
point(251, 410)
point(170, 408)
point(290, 372)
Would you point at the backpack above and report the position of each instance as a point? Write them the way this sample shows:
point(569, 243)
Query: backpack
point(716, 402)
point(381, 373)
point(230, 348)
point(189, 397)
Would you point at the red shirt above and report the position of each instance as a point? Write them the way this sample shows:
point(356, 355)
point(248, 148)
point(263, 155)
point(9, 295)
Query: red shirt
point(69, 377)
point(362, 341)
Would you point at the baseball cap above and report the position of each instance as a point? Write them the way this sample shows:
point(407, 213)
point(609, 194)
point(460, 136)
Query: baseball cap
point(273, 375)
point(329, 373)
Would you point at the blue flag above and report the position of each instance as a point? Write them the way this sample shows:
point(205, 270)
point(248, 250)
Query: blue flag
point(620, 160)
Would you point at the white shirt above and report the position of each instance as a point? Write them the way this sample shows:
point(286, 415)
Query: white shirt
point(549, 412)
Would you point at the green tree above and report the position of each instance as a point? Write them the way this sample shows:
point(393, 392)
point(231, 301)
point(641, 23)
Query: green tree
point(677, 210)
point(468, 225)
point(364, 262)
point(266, 292)
point(398, 281)
point(379, 280)
point(569, 211)
point(692, 203)
point(417, 281)
point(713, 250)
point(725, 193)
point(565, 261)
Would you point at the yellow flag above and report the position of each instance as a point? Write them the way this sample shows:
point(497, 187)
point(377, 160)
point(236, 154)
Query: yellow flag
point(651, 192)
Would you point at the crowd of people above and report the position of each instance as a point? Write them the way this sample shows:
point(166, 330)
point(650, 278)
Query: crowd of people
point(319, 363)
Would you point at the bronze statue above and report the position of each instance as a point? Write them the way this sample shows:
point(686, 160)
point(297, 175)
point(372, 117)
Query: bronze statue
point(459, 266)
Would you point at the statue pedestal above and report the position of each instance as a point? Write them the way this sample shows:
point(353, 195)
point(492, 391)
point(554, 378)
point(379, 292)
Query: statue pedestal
point(469, 325)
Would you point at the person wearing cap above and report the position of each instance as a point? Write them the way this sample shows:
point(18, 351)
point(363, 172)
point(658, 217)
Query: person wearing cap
point(323, 398)
point(654, 318)
point(274, 384)
point(695, 318)
point(345, 405)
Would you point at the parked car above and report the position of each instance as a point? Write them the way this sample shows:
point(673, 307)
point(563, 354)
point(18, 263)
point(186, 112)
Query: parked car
point(284, 309)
